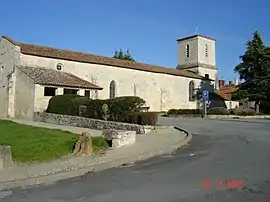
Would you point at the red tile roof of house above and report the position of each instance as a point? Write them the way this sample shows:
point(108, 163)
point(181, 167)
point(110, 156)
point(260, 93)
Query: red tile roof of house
point(50, 77)
point(227, 91)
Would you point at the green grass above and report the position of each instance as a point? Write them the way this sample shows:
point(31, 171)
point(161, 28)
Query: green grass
point(33, 144)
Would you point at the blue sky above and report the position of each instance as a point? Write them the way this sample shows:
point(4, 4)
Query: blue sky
point(148, 28)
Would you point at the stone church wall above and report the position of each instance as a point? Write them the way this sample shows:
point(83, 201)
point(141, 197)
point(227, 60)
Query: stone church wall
point(9, 55)
point(161, 91)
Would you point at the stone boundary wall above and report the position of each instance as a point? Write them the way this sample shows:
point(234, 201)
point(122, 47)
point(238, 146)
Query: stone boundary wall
point(97, 124)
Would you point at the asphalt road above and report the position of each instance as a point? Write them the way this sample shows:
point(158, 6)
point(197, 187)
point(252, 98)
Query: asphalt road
point(220, 150)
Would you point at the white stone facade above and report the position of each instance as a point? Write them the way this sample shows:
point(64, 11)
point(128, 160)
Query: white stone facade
point(161, 91)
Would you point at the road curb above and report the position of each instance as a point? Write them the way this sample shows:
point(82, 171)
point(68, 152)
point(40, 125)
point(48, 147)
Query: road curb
point(53, 178)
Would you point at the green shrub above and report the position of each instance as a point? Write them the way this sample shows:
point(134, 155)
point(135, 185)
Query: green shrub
point(118, 108)
point(121, 107)
point(218, 111)
point(172, 112)
point(184, 112)
point(63, 104)
point(94, 109)
point(243, 112)
point(143, 118)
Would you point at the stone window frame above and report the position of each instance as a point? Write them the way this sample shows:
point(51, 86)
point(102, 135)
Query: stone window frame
point(187, 50)
point(191, 91)
point(112, 89)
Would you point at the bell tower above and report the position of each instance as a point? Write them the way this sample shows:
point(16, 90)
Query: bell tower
point(197, 53)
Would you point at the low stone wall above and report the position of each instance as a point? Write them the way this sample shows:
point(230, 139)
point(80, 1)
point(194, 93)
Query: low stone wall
point(89, 123)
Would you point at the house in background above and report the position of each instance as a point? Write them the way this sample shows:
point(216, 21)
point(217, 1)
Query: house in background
point(225, 93)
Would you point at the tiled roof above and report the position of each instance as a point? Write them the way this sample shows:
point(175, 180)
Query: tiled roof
point(227, 91)
point(50, 52)
point(51, 77)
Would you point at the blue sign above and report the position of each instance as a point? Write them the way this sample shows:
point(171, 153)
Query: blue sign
point(205, 95)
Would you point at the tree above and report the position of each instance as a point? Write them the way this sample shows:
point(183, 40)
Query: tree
point(123, 55)
point(254, 71)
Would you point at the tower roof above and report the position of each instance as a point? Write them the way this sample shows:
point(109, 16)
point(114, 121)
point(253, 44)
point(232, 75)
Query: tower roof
point(194, 36)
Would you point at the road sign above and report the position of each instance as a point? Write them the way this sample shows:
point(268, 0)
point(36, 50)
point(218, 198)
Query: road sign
point(205, 95)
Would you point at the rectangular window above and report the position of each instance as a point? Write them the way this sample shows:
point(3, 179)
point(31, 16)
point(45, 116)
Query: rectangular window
point(48, 91)
point(87, 93)
point(70, 91)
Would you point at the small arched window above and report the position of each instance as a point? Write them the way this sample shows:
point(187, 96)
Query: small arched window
point(191, 91)
point(112, 89)
point(187, 50)
point(206, 50)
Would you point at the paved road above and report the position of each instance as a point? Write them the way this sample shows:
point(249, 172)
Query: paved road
point(220, 150)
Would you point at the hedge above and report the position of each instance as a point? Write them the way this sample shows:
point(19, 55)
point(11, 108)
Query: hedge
point(218, 111)
point(213, 111)
point(243, 112)
point(119, 109)
point(63, 104)
point(184, 111)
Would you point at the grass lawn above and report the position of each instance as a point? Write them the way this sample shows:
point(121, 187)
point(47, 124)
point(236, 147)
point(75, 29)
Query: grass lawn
point(32, 144)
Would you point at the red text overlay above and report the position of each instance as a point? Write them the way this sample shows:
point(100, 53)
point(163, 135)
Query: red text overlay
point(220, 184)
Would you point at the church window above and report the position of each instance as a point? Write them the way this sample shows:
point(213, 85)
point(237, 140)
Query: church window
point(206, 50)
point(49, 91)
point(112, 89)
point(59, 66)
point(187, 50)
point(191, 91)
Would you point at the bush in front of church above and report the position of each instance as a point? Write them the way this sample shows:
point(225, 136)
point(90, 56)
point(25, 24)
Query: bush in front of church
point(218, 111)
point(62, 104)
point(143, 118)
point(119, 108)
point(178, 112)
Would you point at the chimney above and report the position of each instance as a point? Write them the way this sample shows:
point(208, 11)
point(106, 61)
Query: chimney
point(221, 83)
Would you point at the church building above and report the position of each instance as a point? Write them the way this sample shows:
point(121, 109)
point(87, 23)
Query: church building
point(31, 74)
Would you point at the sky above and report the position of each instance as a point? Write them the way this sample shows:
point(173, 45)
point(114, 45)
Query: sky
point(148, 28)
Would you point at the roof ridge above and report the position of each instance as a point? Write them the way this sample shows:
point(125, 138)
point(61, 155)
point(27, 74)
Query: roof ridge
point(10, 40)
